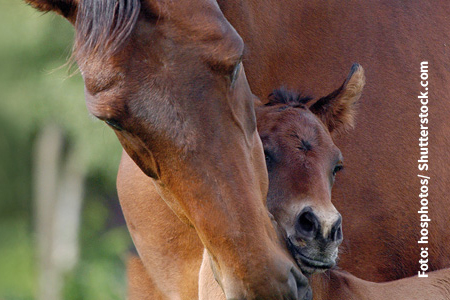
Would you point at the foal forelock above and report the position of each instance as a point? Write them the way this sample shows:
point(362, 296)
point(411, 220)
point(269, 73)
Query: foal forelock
point(289, 97)
point(103, 26)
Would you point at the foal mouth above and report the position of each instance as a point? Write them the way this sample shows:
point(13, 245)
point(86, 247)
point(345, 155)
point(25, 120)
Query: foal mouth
point(307, 264)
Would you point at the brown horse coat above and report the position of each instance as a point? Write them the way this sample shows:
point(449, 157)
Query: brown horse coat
point(341, 285)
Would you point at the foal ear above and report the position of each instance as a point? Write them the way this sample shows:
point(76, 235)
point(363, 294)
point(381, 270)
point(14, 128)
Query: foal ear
point(66, 8)
point(337, 110)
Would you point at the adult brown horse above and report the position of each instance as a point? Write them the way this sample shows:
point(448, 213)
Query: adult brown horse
point(302, 161)
point(167, 77)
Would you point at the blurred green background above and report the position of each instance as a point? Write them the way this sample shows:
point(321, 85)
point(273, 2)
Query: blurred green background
point(36, 91)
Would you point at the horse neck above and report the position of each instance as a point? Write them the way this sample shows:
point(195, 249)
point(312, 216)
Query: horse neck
point(339, 285)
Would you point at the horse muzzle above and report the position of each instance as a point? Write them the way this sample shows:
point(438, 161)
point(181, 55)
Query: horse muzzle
point(314, 244)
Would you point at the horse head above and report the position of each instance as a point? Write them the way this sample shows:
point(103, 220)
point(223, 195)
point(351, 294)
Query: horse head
point(167, 77)
point(302, 162)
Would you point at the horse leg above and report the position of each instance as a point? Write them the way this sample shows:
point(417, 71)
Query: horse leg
point(169, 249)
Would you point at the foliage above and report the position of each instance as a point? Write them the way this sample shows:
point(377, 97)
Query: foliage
point(35, 90)
point(35, 86)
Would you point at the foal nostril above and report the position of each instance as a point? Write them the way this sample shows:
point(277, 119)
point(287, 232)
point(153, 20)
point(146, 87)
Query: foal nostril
point(307, 224)
point(336, 231)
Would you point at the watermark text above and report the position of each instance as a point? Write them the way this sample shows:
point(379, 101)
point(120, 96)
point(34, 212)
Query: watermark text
point(423, 169)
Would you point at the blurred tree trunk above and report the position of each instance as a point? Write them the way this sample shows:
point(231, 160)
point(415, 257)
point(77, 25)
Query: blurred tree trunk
point(58, 191)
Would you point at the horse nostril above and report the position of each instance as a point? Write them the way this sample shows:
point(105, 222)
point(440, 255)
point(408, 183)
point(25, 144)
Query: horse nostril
point(305, 221)
point(336, 231)
point(338, 235)
point(307, 224)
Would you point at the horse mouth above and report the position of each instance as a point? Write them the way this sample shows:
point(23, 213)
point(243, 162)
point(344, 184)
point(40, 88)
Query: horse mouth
point(307, 264)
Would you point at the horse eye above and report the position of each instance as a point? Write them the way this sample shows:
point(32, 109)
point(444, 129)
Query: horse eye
point(235, 73)
point(337, 168)
point(114, 124)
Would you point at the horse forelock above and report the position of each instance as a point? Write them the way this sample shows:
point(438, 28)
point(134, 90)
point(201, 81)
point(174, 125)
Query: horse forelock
point(104, 26)
point(289, 97)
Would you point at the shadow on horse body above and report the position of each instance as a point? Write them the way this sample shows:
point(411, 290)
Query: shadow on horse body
point(167, 77)
point(302, 161)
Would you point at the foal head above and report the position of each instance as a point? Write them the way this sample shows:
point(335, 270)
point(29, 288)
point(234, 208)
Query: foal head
point(302, 161)
point(167, 77)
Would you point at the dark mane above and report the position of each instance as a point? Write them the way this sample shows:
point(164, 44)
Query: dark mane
point(289, 97)
point(103, 26)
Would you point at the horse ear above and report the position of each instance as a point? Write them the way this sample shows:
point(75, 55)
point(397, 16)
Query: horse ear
point(66, 8)
point(337, 110)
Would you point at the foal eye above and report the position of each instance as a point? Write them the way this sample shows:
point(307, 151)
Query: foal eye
point(268, 157)
point(337, 168)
